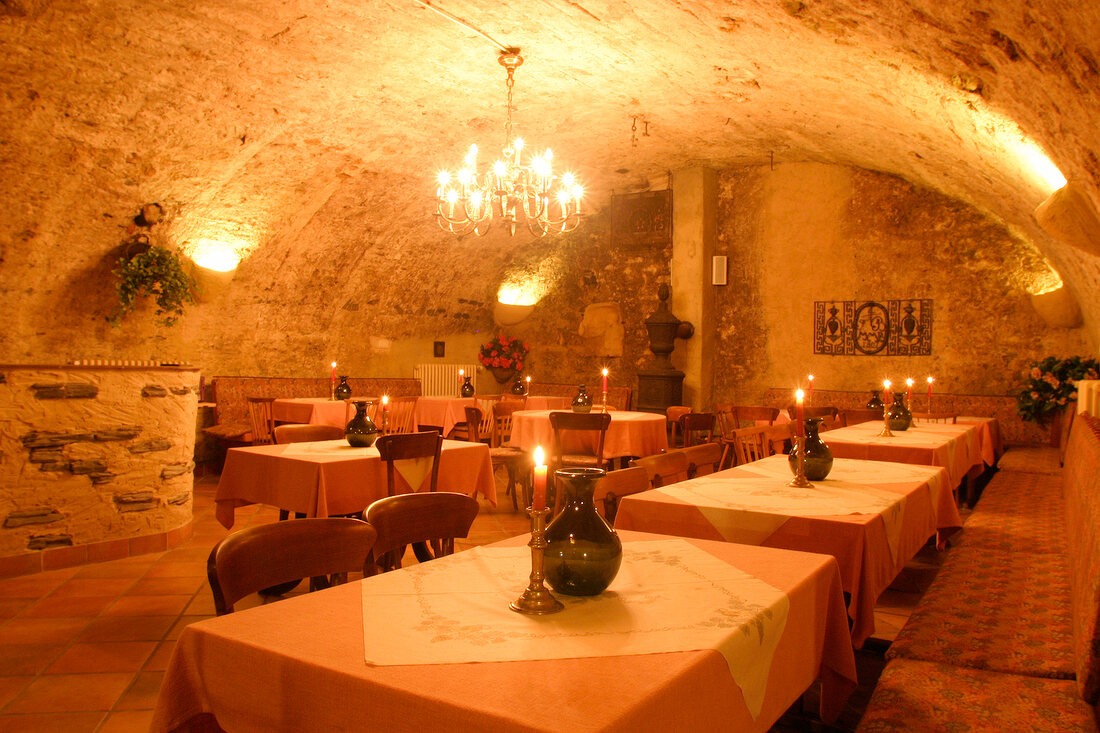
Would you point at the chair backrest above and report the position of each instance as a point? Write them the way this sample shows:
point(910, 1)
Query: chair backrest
point(616, 484)
point(562, 422)
point(306, 433)
point(502, 413)
point(949, 418)
point(731, 417)
point(751, 444)
point(703, 458)
point(778, 438)
point(266, 555)
point(697, 427)
point(410, 447)
point(399, 417)
point(859, 415)
point(261, 420)
point(481, 427)
point(673, 413)
point(417, 520)
point(664, 468)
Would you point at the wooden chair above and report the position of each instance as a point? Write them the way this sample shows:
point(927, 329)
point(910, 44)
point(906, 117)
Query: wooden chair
point(461, 430)
point(617, 484)
point(731, 417)
point(517, 462)
point(703, 459)
point(748, 445)
point(947, 418)
point(306, 433)
point(697, 427)
point(673, 413)
point(408, 447)
point(830, 413)
point(399, 416)
point(563, 423)
point(779, 438)
point(261, 420)
point(502, 415)
point(417, 520)
point(664, 468)
point(282, 553)
point(860, 415)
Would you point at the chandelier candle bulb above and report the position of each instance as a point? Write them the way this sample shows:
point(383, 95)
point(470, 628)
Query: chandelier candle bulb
point(538, 495)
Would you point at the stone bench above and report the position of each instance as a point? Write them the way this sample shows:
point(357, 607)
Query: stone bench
point(230, 395)
point(1006, 637)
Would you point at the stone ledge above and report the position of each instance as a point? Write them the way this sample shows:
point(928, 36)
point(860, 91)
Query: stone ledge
point(66, 557)
point(64, 391)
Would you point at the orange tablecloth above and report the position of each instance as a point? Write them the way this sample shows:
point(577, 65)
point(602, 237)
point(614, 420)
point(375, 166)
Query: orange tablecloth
point(311, 410)
point(442, 412)
point(330, 477)
point(299, 665)
point(630, 434)
point(899, 507)
point(547, 402)
point(958, 448)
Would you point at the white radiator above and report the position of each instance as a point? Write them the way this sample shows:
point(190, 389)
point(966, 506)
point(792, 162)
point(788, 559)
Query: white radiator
point(441, 380)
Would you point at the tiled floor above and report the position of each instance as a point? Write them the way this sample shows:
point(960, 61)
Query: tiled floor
point(84, 649)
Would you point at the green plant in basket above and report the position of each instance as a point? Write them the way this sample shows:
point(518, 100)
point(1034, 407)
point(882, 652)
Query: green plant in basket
point(1051, 384)
point(157, 272)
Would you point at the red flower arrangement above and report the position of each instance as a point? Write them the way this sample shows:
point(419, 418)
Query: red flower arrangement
point(504, 352)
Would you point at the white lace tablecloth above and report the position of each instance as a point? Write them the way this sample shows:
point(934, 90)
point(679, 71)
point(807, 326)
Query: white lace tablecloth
point(669, 596)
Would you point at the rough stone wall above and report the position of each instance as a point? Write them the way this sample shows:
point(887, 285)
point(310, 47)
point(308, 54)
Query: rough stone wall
point(93, 454)
point(802, 233)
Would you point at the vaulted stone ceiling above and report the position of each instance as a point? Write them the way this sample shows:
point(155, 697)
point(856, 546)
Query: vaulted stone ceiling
point(250, 117)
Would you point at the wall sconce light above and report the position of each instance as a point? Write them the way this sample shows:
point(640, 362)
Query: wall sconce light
point(513, 305)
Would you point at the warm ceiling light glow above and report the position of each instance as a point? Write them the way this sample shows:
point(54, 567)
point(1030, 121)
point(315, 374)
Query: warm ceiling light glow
point(215, 255)
point(1039, 164)
point(516, 295)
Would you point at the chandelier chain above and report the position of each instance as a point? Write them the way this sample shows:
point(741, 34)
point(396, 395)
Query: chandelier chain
point(511, 82)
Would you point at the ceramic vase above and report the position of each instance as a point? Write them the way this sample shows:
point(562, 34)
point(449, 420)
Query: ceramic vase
point(899, 417)
point(583, 401)
point(819, 459)
point(467, 389)
point(583, 553)
point(361, 432)
point(343, 389)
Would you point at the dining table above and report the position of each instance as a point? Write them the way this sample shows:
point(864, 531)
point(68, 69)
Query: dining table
point(872, 516)
point(441, 412)
point(630, 434)
point(956, 447)
point(691, 635)
point(313, 411)
point(329, 477)
point(547, 402)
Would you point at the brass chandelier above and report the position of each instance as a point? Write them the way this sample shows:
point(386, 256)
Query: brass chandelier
point(512, 187)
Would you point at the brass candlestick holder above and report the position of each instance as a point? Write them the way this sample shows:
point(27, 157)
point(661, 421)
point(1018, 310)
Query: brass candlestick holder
point(800, 481)
point(605, 400)
point(537, 599)
point(886, 423)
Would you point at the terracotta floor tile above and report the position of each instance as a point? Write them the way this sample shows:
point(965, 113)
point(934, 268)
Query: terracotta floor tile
point(127, 628)
point(183, 622)
point(51, 723)
point(186, 585)
point(29, 586)
point(127, 721)
point(158, 660)
point(12, 607)
point(70, 693)
point(201, 605)
point(130, 567)
point(148, 606)
point(21, 659)
point(12, 686)
point(185, 554)
point(111, 656)
point(142, 694)
point(92, 587)
point(192, 569)
point(42, 630)
point(71, 607)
